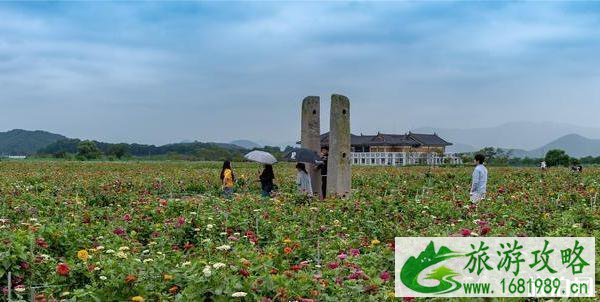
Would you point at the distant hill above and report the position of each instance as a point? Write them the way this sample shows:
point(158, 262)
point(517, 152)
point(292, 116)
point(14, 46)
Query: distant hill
point(515, 135)
point(244, 143)
point(25, 142)
point(575, 145)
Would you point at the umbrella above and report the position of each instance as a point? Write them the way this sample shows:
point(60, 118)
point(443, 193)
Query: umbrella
point(261, 157)
point(302, 155)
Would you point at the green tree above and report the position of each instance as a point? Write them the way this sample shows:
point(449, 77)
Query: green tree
point(557, 157)
point(118, 150)
point(88, 150)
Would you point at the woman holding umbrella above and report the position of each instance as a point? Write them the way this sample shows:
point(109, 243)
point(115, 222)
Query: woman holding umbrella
point(267, 176)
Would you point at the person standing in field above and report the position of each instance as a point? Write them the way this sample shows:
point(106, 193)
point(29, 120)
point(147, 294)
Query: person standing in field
point(543, 165)
point(322, 166)
point(227, 179)
point(479, 182)
point(266, 180)
point(303, 180)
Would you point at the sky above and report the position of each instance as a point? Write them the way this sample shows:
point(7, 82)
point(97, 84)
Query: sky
point(161, 72)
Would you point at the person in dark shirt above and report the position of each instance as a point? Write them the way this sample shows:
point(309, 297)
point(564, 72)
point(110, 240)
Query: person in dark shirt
point(266, 180)
point(323, 167)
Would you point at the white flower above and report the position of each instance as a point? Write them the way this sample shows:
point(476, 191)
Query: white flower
point(223, 234)
point(124, 248)
point(19, 288)
point(97, 268)
point(224, 247)
point(99, 248)
point(103, 278)
point(122, 255)
point(219, 265)
point(148, 260)
point(193, 213)
point(186, 263)
point(110, 252)
point(239, 294)
point(196, 229)
point(207, 272)
point(64, 294)
point(236, 234)
point(209, 227)
point(152, 243)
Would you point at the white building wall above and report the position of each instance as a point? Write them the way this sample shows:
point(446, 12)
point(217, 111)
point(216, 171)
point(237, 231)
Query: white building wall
point(402, 159)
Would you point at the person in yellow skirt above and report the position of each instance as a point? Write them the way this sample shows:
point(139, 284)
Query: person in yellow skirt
point(227, 179)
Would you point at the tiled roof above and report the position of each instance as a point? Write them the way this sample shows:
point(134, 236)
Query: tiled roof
point(381, 139)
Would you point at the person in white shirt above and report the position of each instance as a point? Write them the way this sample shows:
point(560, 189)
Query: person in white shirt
point(303, 180)
point(479, 183)
point(543, 165)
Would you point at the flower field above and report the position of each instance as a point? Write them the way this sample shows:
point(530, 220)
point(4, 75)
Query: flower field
point(160, 231)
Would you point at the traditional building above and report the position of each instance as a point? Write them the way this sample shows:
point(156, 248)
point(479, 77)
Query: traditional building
point(398, 149)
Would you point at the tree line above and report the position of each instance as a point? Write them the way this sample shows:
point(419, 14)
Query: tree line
point(555, 157)
point(92, 150)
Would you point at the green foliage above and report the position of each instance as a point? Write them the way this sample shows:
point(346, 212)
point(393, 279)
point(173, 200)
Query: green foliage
point(23, 142)
point(88, 150)
point(557, 157)
point(118, 150)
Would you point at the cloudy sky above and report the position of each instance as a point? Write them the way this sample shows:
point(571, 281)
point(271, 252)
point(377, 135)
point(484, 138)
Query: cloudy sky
point(160, 72)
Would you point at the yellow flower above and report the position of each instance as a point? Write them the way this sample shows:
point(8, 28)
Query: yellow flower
point(287, 240)
point(167, 277)
point(83, 255)
point(137, 299)
point(375, 242)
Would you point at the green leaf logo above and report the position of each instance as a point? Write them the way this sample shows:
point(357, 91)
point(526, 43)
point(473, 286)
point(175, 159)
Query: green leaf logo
point(413, 267)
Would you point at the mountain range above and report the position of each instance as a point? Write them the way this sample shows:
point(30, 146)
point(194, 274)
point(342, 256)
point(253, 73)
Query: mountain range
point(524, 139)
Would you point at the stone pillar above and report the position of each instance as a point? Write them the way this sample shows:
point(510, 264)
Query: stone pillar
point(338, 168)
point(310, 136)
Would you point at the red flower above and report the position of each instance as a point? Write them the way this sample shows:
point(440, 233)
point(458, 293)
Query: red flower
point(465, 232)
point(188, 246)
point(41, 243)
point(485, 230)
point(127, 217)
point(62, 269)
point(333, 265)
point(296, 267)
point(130, 279)
point(244, 272)
point(119, 231)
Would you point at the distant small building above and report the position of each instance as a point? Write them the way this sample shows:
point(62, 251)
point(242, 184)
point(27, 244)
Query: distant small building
point(16, 157)
point(398, 149)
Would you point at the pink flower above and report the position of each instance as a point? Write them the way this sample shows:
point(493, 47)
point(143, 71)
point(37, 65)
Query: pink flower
point(465, 232)
point(127, 217)
point(233, 238)
point(333, 265)
point(385, 276)
point(342, 256)
point(180, 221)
point(354, 252)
